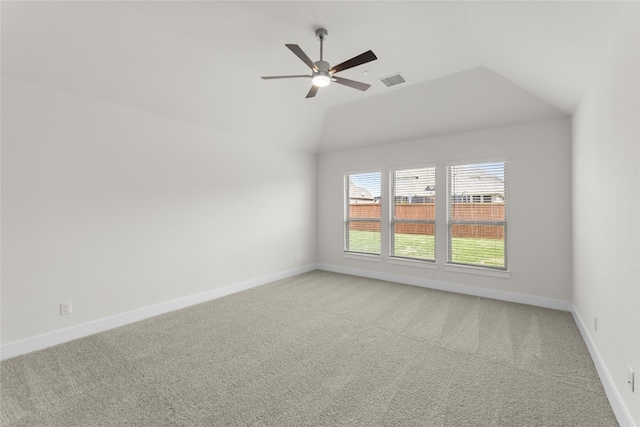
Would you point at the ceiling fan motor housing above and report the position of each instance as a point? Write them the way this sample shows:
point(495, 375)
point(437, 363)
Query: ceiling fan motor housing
point(323, 66)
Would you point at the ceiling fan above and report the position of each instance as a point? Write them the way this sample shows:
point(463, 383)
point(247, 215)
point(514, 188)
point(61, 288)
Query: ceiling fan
point(322, 73)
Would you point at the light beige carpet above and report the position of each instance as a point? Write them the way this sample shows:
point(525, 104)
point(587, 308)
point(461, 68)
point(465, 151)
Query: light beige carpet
point(320, 349)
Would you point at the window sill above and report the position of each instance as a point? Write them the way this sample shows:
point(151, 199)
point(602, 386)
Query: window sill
point(362, 257)
point(468, 269)
point(412, 263)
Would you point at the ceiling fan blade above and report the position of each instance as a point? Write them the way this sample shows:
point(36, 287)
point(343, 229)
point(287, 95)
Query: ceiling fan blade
point(312, 92)
point(363, 58)
point(351, 83)
point(300, 54)
point(284, 77)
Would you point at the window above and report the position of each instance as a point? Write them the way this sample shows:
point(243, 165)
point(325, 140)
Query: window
point(362, 213)
point(413, 213)
point(477, 220)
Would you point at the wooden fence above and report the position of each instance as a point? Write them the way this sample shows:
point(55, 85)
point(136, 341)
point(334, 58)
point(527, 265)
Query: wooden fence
point(460, 211)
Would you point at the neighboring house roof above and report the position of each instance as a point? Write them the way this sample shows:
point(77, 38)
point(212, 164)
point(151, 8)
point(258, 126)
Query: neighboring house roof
point(477, 181)
point(471, 181)
point(358, 193)
point(414, 183)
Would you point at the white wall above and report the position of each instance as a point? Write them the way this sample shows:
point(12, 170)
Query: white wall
point(116, 209)
point(539, 205)
point(606, 209)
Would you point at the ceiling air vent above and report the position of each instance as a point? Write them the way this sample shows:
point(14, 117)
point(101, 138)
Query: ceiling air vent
point(392, 80)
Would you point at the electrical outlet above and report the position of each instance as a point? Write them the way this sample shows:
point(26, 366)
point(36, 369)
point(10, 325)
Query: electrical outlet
point(65, 308)
point(595, 323)
point(630, 379)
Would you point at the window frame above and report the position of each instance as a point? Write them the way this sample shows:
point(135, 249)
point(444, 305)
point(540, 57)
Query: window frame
point(393, 221)
point(499, 271)
point(347, 220)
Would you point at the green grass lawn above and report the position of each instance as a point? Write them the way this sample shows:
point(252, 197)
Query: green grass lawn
point(417, 246)
point(489, 252)
point(364, 241)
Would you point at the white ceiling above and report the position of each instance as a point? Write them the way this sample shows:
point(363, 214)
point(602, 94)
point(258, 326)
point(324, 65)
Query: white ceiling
point(469, 65)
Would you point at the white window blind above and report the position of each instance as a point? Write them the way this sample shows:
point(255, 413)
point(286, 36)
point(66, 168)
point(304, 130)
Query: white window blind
point(362, 213)
point(413, 213)
point(477, 216)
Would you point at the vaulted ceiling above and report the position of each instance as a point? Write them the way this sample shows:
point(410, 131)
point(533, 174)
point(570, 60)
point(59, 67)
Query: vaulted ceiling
point(468, 65)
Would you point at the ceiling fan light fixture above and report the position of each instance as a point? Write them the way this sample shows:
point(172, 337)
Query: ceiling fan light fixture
point(321, 79)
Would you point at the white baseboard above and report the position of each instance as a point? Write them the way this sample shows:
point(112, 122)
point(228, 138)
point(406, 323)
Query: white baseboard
point(555, 304)
point(617, 404)
point(50, 339)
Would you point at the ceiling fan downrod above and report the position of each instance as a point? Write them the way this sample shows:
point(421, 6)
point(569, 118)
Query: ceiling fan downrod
point(321, 76)
point(321, 34)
